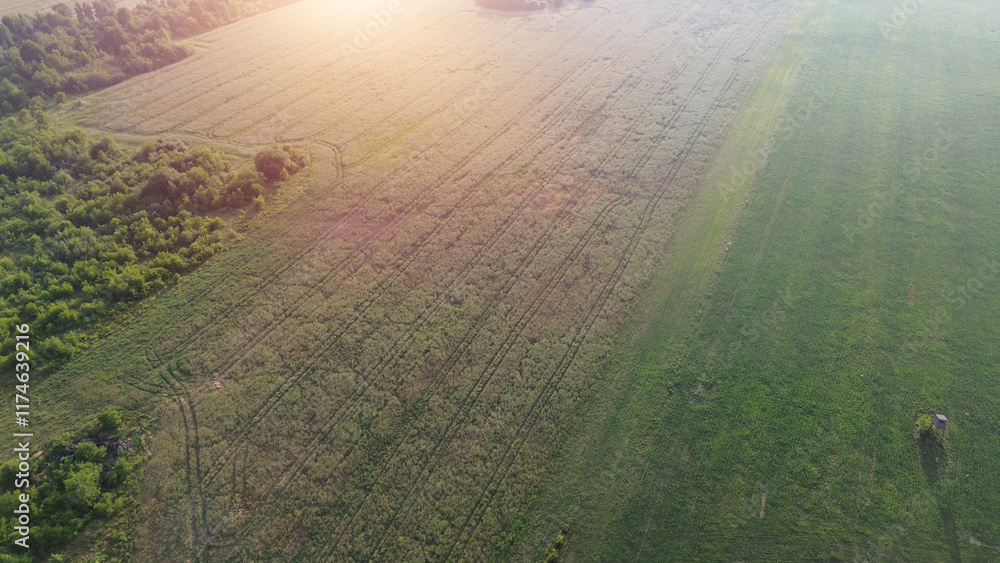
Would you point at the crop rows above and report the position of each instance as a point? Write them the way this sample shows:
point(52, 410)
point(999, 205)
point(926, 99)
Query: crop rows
point(400, 356)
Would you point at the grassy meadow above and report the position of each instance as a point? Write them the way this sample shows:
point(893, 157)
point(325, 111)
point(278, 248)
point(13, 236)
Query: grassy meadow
point(382, 367)
point(642, 281)
point(768, 415)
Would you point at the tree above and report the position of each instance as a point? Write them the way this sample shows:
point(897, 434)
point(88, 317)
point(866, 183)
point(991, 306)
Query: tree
point(32, 52)
point(6, 39)
point(111, 36)
point(104, 8)
point(89, 452)
point(271, 162)
point(83, 12)
point(109, 420)
point(8, 473)
point(162, 184)
point(63, 10)
point(124, 17)
point(123, 468)
point(83, 486)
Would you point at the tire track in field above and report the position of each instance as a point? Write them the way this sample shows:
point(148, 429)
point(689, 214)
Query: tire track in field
point(221, 285)
point(544, 398)
point(547, 94)
point(192, 499)
point(361, 78)
point(416, 71)
point(275, 397)
point(212, 91)
point(649, 153)
point(198, 519)
point(554, 281)
point(280, 138)
point(338, 157)
point(485, 378)
point(565, 107)
point(358, 253)
point(253, 28)
point(495, 303)
point(301, 254)
point(324, 236)
point(444, 107)
point(138, 384)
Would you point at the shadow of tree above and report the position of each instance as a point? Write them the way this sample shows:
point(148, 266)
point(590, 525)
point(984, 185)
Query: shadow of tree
point(934, 463)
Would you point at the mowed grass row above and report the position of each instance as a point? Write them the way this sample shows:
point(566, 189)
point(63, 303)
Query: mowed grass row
point(395, 352)
point(774, 422)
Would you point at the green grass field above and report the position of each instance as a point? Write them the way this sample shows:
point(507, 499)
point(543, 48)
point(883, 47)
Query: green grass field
point(768, 415)
point(381, 370)
point(412, 353)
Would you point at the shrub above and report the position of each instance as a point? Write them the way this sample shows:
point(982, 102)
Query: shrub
point(271, 162)
point(278, 163)
point(925, 426)
point(89, 452)
point(109, 420)
point(83, 486)
point(925, 431)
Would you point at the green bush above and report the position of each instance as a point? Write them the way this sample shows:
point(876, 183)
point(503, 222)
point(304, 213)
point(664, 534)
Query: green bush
point(925, 426)
point(83, 486)
point(109, 420)
point(89, 452)
point(278, 163)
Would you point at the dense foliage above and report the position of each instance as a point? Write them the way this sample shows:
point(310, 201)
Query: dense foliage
point(279, 163)
point(94, 44)
point(86, 227)
point(77, 481)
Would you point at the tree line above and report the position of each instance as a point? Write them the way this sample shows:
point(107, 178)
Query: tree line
point(92, 45)
point(88, 227)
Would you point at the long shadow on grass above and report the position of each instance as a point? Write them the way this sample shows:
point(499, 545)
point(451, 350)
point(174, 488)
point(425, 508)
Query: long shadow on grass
point(934, 462)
